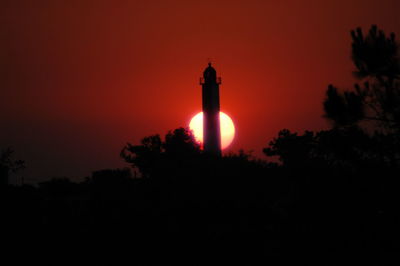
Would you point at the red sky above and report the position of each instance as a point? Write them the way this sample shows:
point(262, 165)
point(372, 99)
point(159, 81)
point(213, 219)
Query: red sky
point(79, 79)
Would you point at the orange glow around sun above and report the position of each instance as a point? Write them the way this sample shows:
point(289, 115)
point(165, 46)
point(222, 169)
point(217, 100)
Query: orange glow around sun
point(227, 128)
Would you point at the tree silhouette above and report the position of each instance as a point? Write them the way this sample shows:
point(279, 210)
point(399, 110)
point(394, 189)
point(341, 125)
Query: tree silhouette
point(8, 164)
point(375, 55)
point(153, 153)
point(144, 157)
point(292, 150)
point(377, 63)
point(373, 105)
point(181, 142)
point(343, 148)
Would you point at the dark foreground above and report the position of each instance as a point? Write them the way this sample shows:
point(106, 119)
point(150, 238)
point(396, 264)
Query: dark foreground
point(248, 211)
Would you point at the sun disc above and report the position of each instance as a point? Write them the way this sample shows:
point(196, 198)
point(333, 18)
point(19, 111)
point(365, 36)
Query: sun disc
point(226, 124)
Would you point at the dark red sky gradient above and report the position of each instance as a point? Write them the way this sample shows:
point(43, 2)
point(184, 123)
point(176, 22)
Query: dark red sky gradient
point(81, 78)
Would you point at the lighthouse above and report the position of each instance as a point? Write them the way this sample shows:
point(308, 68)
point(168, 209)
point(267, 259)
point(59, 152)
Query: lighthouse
point(211, 124)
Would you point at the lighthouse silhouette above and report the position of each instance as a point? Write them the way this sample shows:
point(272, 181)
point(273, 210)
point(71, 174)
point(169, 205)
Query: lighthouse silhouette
point(211, 125)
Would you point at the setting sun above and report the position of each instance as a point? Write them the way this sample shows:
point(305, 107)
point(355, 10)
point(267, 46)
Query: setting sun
point(227, 128)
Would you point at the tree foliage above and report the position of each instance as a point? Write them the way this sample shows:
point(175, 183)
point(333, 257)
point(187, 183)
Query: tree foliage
point(354, 142)
point(349, 148)
point(153, 152)
point(8, 164)
point(377, 98)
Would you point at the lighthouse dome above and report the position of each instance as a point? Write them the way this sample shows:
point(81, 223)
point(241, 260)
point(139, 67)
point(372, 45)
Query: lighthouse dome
point(210, 75)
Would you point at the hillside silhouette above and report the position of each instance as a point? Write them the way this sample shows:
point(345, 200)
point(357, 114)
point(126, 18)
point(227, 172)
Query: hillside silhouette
point(331, 191)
